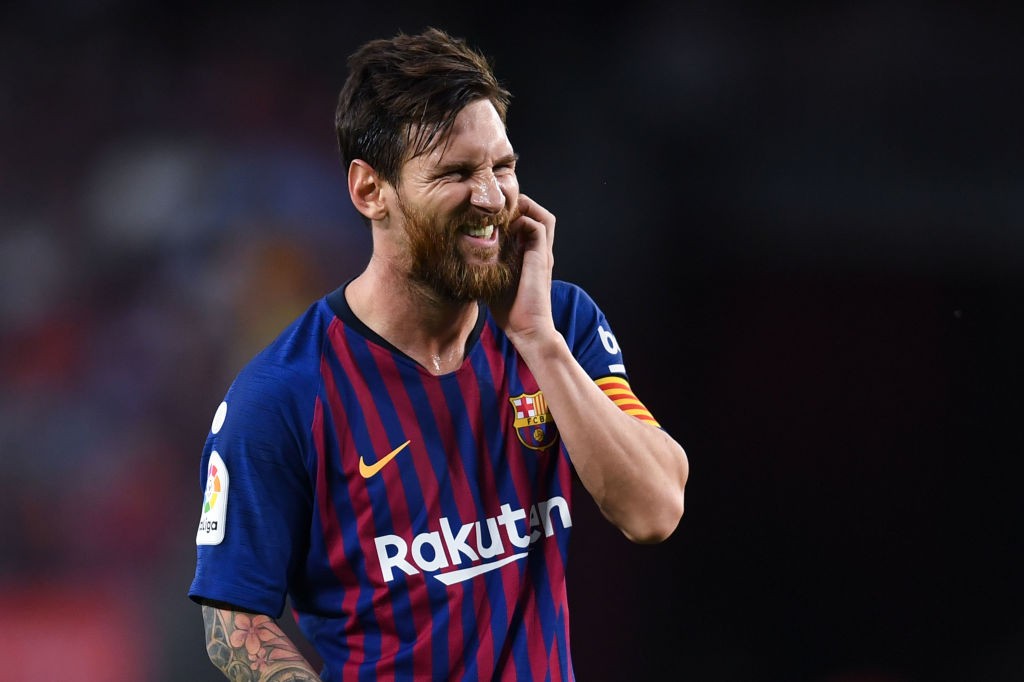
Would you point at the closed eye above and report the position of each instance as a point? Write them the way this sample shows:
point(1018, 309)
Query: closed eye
point(462, 172)
point(506, 164)
point(455, 173)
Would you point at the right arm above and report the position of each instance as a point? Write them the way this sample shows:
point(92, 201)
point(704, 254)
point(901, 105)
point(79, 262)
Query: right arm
point(249, 647)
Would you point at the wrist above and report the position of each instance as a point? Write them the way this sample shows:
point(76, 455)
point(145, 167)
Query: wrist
point(540, 346)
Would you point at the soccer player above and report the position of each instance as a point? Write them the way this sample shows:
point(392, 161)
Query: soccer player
point(399, 461)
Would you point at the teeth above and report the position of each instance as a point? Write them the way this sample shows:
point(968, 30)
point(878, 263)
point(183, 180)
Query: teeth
point(482, 231)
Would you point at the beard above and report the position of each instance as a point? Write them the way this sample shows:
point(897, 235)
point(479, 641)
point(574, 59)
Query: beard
point(439, 263)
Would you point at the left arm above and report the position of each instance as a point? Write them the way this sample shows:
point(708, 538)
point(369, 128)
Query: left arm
point(635, 472)
point(250, 647)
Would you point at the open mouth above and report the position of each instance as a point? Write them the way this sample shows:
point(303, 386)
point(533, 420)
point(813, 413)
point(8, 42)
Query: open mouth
point(481, 231)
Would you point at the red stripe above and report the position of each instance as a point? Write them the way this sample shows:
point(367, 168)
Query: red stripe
point(419, 597)
point(462, 493)
point(487, 652)
point(383, 611)
point(334, 538)
point(402, 520)
point(329, 516)
point(555, 569)
point(549, 663)
point(524, 487)
point(534, 634)
point(516, 596)
point(558, 649)
point(536, 652)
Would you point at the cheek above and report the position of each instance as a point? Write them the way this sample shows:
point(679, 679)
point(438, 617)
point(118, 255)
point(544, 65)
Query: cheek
point(443, 204)
point(510, 188)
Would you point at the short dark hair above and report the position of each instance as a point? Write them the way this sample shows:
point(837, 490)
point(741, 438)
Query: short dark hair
point(402, 95)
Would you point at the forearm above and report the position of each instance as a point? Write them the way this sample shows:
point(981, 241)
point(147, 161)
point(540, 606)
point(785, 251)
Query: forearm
point(253, 648)
point(635, 471)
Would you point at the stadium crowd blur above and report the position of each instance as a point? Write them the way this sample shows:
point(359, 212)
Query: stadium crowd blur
point(157, 227)
point(170, 197)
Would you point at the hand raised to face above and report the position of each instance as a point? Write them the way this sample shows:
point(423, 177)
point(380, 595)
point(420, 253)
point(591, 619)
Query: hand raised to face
point(527, 310)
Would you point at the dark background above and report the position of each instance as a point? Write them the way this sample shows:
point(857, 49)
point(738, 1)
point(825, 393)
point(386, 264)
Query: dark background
point(804, 223)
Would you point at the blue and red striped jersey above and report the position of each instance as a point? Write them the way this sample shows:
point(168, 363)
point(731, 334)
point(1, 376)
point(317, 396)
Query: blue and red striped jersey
point(419, 524)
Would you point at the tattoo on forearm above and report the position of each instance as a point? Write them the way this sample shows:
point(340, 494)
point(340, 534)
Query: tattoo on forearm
point(251, 648)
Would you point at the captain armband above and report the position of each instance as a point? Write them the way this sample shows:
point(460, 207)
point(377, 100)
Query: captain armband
point(617, 388)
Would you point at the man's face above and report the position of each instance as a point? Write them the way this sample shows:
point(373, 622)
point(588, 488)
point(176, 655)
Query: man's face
point(456, 204)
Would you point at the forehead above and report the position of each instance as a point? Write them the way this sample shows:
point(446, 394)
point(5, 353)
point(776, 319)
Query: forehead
point(477, 135)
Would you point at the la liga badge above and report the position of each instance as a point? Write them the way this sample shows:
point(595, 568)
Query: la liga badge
point(215, 503)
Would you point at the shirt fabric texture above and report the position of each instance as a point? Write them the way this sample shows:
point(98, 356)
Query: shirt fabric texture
point(445, 558)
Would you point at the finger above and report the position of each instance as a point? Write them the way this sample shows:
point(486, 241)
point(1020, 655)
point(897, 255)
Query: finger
point(531, 209)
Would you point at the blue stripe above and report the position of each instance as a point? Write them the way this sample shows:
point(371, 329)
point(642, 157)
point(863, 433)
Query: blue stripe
point(345, 510)
point(493, 402)
point(468, 452)
point(564, 657)
point(335, 650)
point(401, 605)
point(437, 592)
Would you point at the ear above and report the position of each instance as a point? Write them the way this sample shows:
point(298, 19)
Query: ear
point(366, 190)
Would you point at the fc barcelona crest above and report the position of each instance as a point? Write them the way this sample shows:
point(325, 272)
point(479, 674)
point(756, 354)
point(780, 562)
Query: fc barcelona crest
point(534, 425)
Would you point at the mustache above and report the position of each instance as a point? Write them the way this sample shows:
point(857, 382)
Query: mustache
point(470, 218)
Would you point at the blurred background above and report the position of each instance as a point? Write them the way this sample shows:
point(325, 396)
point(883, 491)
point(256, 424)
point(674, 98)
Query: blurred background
point(805, 223)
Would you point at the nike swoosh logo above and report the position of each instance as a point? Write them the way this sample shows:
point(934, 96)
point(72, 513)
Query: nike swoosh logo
point(367, 470)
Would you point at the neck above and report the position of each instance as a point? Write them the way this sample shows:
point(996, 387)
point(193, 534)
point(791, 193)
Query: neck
point(410, 317)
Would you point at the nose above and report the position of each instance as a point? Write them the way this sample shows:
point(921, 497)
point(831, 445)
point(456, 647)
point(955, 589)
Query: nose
point(487, 194)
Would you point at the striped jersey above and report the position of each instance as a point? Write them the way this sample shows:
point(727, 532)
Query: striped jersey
point(419, 524)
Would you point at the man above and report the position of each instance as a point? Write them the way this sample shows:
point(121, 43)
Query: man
point(399, 462)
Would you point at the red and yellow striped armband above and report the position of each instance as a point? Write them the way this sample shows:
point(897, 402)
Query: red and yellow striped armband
point(622, 395)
